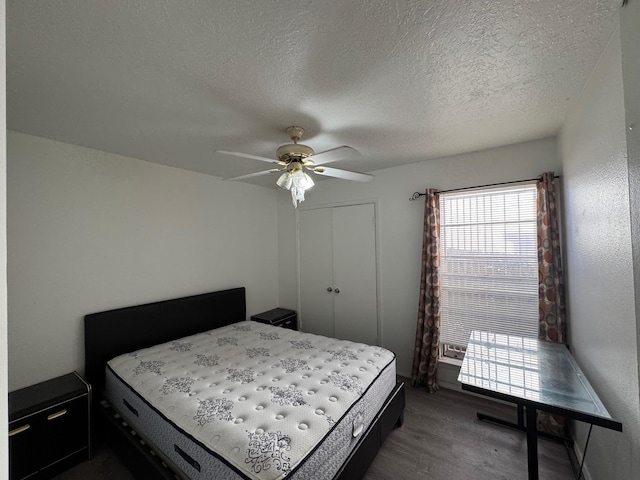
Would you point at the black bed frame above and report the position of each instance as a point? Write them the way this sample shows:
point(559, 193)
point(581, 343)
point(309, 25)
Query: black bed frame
point(112, 333)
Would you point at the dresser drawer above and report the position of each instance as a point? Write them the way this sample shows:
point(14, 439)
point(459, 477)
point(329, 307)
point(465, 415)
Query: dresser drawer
point(64, 429)
point(24, 442)
point(287, 323)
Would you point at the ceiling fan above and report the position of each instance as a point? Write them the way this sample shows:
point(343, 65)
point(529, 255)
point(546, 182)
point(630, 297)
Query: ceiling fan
point(294, 158)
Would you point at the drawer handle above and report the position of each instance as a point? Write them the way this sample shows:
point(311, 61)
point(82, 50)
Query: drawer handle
point(19, 430)
point(53, 416)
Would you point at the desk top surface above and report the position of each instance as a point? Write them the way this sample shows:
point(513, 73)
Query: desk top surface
point(533, 371)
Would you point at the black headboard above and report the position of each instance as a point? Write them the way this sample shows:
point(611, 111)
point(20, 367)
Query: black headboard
point(112, 333)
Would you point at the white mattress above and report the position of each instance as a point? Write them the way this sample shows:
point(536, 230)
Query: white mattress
point(252, 401)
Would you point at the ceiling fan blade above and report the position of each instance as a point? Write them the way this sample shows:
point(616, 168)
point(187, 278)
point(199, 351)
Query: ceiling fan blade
point(246, 155)
point(255, 174)
point(345, 174)
point(339, 153)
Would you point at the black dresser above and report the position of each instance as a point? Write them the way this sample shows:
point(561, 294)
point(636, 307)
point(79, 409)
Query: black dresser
point(278, 317)
point(49, 427)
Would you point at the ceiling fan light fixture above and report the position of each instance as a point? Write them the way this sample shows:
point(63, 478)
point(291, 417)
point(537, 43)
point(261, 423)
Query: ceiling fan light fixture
point(297, 182)
point(285, 181)
point(302, 180)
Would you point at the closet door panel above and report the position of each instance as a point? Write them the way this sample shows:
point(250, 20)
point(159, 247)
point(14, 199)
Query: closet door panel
point(354, 273)
point(316, 271)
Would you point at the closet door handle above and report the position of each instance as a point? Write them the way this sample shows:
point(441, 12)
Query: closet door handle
point(337, 290)
point(329, 289)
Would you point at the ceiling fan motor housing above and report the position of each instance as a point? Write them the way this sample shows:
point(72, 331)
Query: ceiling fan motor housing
point(294, 152)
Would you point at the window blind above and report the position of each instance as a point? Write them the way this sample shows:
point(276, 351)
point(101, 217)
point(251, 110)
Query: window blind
point(488, 262)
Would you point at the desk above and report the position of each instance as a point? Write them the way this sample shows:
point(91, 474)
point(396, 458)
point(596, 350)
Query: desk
point(535, 375)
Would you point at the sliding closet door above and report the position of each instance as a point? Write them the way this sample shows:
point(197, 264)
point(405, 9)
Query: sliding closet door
point(338, 278)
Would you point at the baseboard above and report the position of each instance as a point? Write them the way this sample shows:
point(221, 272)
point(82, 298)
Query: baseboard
point(451, 386)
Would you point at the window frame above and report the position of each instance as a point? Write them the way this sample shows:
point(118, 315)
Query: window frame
point(452, 352)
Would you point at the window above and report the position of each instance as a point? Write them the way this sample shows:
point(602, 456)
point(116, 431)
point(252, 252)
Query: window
point(488, 264)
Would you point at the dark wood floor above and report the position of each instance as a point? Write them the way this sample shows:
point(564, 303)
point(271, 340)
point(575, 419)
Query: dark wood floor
point(441, 439)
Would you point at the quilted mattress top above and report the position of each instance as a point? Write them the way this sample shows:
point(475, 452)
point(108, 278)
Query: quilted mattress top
point(260, 397)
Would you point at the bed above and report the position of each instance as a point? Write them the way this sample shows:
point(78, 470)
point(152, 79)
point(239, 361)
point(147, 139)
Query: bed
point(119, 341)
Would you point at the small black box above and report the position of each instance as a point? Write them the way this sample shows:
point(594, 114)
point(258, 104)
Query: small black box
point(278, 317)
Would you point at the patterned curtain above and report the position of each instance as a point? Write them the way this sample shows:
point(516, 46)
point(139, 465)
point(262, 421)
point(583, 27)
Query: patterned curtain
point(425, 352)
point(550, 277)
point(551, 287)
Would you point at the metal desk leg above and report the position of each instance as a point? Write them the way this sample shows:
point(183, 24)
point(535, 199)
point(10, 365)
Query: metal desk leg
point(532, 442)
point(520, 425)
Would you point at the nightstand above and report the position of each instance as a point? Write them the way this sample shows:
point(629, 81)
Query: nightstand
point(49, 427)
point(278, 317)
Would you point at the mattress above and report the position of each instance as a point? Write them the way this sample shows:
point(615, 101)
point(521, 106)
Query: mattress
point(252, 401)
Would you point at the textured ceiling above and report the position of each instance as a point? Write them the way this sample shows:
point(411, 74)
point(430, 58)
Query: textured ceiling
point(400, 81)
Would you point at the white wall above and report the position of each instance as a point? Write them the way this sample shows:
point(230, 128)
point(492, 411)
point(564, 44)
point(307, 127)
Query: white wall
point(4, 446)
point(400, 224)
point(630, 33)
point(601, 296)
point(90, 231)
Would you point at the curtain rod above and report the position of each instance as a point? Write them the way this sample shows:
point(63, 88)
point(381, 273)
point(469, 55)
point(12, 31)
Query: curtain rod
point(417, 195)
